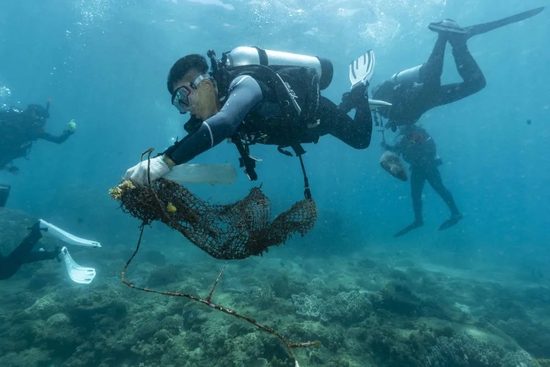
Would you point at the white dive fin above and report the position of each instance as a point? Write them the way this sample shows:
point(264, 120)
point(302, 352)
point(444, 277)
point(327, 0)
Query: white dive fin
point(362, 69)
point(203, 173)
point(375, 104)
point(66, 236)
point(78, 274)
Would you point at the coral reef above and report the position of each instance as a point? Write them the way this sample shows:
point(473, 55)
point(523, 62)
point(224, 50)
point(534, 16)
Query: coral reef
point(393, 314)
point(464, 350)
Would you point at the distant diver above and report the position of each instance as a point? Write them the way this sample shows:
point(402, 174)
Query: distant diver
point(414, 91)
point(418, 149)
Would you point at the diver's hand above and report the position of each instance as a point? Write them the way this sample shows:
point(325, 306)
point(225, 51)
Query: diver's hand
point(71, 126)
point(138, 173)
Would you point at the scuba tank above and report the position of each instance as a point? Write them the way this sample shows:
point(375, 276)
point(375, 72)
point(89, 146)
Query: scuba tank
point(244, 55)
point(411, 75)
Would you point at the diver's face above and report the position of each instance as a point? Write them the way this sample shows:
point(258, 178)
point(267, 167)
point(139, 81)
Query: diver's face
point(201, 95)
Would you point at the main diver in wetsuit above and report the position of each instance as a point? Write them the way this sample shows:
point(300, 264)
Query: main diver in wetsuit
point(246, 107)
point(418, 149)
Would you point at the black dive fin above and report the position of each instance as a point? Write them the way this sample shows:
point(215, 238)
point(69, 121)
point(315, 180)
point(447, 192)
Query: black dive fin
point(486, 27)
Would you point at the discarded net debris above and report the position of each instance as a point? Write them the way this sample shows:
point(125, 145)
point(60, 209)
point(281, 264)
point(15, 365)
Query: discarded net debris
point(230, 231)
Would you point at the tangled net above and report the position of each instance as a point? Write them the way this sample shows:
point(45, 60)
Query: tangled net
point(232, 231)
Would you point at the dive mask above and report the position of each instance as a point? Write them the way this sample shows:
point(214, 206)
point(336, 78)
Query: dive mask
point(182, 97)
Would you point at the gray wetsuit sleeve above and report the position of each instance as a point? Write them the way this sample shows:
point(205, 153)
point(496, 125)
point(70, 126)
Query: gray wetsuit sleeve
point(244, 94)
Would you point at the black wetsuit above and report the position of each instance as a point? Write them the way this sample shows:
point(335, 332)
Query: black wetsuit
point(251, 111)
point(23, 254)
point(418, 149)
point(411, 99)
point(17, 134)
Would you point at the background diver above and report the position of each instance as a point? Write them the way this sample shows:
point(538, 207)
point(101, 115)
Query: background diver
point(24, 253)
point(418, 149)
point(19, 129)
point(414, 91)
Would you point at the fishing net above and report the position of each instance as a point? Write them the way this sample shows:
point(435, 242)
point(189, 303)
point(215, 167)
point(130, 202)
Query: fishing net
point(231, 231)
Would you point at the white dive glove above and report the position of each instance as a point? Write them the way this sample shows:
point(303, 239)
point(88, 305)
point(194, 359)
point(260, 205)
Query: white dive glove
point(138, 173)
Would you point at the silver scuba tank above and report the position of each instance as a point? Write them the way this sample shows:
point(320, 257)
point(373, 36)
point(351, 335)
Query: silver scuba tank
point(245, 55)
point(411, 75)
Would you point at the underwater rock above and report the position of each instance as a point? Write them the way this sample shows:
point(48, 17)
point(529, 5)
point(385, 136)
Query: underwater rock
point(154, 257)
point(398, 298)
point(43, 307)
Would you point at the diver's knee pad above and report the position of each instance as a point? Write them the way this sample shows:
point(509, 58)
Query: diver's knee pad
point(411, 75)
point(4, 193)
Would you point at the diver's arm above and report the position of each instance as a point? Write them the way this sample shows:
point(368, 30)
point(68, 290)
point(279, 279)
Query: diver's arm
point(55, 139)
point(392, 148)
point(244, 94)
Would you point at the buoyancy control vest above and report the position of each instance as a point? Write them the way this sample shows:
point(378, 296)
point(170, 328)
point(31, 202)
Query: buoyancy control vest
point(17, 128)
point(290, 81)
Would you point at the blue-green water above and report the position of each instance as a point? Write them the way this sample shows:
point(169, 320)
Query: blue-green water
point(104, 64)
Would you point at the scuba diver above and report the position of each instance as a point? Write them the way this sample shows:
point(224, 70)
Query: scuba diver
point(418, 149)
point(24, 254)
point(19, 129)
point(414, 91)
point(256, 96)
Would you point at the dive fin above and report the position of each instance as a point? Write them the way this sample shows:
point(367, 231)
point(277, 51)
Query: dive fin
point(66, 236)
point(78, 274)
point(185, 173)
point(448, 26)
point(362, 69)
point(407, 229)
point(474, 30)
point(454, 219)
point(375, 104)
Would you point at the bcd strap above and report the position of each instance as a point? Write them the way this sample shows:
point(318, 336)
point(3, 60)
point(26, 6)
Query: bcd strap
point(245, 160)
point(298, 151)
point(263, 56)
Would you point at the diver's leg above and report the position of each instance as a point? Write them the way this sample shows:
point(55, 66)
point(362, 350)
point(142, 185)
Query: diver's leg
point(24, 254)
point(434, 179)
point(418, 177)
point(417, 184)
point(430, 72)
point(335, 121)
point(21, 253)
point(25, 247)
point(42, 255)
point(7, 268)
point(473, 79)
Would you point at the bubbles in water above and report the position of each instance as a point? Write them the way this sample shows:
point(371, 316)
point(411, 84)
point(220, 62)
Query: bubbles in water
point(5, 95)
point(92, 11)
